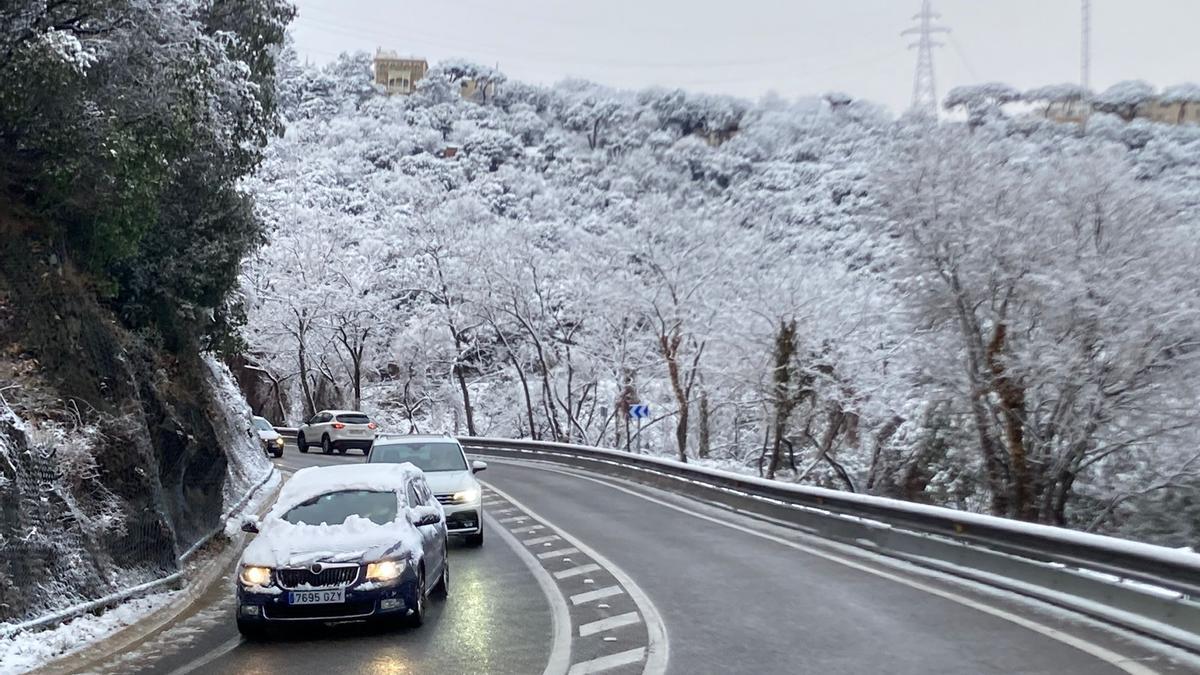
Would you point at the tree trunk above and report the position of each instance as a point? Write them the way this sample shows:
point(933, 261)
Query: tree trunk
point(1012, 412)
point(705, 429)
point(669, 345)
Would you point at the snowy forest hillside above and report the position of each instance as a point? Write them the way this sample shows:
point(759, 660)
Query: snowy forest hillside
point(998, 314)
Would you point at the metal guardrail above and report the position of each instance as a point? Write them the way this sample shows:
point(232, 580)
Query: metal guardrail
point(1149, 589)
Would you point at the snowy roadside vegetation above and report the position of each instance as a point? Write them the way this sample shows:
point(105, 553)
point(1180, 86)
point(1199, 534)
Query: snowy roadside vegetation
point(125, 128)
point(997, 314)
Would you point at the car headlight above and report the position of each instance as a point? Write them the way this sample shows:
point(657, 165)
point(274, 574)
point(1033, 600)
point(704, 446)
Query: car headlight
point(279, 441)
point(385, 570)
point(256, 576)
point(466, 496)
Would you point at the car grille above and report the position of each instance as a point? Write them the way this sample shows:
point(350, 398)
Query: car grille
point(341, 610)
point(326, 578)
point(445, 499)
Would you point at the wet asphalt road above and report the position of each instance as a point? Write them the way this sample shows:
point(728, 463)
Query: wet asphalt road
point(731, 601)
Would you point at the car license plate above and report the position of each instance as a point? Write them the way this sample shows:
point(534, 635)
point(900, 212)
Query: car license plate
point(316, 597)
point(357, 432)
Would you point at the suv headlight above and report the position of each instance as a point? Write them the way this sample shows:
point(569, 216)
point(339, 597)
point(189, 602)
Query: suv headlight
point(256, 576)
point(279, 441)
point(385, 570)
point(466, 496)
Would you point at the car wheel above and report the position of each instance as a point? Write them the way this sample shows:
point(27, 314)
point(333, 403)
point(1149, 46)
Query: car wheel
point(443, 586)
point(417, 603)
point(475, 540)
point(300, 444)
point(278, 452)
point(252, 630)
point(326, 446)
point(341, 451)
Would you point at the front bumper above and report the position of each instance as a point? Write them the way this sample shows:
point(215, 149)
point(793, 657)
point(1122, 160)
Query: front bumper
point(463, 518)
point(270, 604)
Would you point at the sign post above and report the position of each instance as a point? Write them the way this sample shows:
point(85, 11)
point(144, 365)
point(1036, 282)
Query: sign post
point(639, 412)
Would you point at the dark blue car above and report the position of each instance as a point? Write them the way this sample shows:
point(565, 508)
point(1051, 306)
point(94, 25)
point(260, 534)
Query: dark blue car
point(344, 543)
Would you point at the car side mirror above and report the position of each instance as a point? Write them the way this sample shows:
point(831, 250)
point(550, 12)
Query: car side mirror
point(250, 524)
point(477, 466)
point(425, 515)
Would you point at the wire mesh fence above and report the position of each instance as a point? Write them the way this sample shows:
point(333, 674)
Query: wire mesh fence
point(86, 514)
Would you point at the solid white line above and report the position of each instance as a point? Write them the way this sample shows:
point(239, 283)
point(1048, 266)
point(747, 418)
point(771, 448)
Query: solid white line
point(576, 571)
point(558, 553)
point(221, 650)
point(618, 621)
point(608, 662)
point(598, 594)
point(541, 540)
point(560, 651)
point(659, 651)
point(1108, 656)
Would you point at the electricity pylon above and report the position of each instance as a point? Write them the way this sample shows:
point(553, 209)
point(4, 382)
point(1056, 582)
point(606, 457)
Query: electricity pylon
point(924, 98)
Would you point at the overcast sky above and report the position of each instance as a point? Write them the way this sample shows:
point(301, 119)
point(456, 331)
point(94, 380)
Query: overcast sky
point(749, 47)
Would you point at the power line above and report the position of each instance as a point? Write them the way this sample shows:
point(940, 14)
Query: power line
point(924, 98)
point(1085, 60)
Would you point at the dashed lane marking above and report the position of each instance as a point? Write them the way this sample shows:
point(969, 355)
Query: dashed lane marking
point(541, 540)
point(618, 621)
point(1101, 653)
point(598, 594)
point(513, 519)
point(656, 654)
point(576, 571)
point(608, 662)
point(560, 652)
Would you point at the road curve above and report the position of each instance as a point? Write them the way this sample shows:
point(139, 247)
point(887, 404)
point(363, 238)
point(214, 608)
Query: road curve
point(725, 593)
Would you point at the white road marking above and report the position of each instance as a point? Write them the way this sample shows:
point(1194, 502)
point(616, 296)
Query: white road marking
point(591, 596)
point(558, 553)
point(528, 529)
point(503, 511)
point(618, 621)
point(223, 649)
point(541, 540)
point(1108, 656)
point(512, 519)
point(608, 662)
point(560, 651)
point(576, 571)
point(658, 653)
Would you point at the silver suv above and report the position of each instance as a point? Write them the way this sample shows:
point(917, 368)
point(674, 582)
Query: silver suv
point(338, 430)
point(449, 474)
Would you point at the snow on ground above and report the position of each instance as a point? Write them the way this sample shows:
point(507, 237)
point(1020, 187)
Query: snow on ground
point(28, 650)
point(230, 414)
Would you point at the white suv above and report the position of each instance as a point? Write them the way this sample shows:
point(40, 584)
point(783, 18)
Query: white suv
point(337, 430)
point(449, 475)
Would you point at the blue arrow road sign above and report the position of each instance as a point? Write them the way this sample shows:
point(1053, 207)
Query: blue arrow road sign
point(639, 411)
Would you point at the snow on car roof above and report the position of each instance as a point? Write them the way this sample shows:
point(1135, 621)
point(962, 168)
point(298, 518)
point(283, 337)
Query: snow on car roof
point(384, 439)
point(318, 480)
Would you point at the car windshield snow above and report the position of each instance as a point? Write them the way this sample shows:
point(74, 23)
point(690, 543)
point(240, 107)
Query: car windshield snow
point(353, 419)
point(333, 508)
point(426, 456)
point(261, 424)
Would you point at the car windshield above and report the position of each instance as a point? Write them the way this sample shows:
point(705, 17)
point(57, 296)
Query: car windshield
point(354, 418)
point(333, 508)
point(261, 424)
point(433, 456)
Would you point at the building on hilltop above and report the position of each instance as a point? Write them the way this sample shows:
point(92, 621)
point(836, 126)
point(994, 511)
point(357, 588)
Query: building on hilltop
point(399, 74)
